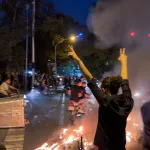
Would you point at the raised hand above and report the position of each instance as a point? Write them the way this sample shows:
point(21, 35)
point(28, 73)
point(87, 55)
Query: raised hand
point(123, 60)
point(72, 53)
point(123, 57)
point(83, 68)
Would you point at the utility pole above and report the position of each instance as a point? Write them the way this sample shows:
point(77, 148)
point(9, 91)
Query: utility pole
point(56, 58)
point(27, 46)
point(33, 43)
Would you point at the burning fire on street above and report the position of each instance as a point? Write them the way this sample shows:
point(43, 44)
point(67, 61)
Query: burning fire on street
point(69, 139)
point(74, 139)
point(133, 131)
point(81, 137)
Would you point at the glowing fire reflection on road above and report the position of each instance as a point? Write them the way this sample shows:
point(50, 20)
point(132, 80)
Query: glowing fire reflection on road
point(66, 138)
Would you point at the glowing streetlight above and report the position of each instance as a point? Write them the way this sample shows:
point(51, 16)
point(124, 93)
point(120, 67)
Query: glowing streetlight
point(73, 38)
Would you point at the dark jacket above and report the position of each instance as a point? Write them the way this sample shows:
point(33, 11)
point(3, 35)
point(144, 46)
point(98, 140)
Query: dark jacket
point(145, 110)
point(75, 90)
point(113, 113)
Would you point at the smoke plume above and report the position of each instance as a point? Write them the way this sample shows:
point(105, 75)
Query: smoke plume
point(125, 23)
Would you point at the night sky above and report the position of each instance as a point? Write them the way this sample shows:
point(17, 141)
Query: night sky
point(78, 9)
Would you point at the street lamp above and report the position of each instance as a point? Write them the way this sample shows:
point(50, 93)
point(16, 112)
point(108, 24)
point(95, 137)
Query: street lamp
point(72, 38)
point(33, 43)
point(27, 44)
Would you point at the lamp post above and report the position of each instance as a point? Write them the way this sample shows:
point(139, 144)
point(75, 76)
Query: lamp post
point(71, 38)
point(27, 43)
point(33, 43)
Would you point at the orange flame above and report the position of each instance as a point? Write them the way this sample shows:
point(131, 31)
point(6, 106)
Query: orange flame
point(129, 118)
point(128, 136)
point(79, 131)
point(45, 146)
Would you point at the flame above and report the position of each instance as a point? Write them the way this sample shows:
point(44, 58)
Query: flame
point(45, 146)
point(70, 139)
point(57, 148)
point(53, 146)
point(66, 139)
point(129, 118)
point(79, 131)
point(81, 128)
point(65, 131)
point(128, 136)
point(135, 124)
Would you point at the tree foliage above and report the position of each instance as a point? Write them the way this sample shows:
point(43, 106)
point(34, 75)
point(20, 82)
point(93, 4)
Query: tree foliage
point(50, 28)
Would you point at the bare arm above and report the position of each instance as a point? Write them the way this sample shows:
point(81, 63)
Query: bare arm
point(12, 87)
point(83, 68)
point(123, 60)
point(85, 71)
point(89, 76)
point(4, 93)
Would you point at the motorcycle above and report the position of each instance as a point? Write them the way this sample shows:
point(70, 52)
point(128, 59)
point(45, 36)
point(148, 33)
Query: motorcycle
point(75, 111)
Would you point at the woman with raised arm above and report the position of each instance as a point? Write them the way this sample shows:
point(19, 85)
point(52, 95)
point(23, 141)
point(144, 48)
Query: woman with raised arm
point(114, 109)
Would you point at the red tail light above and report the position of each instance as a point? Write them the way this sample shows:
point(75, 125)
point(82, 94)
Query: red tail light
point(71, 104)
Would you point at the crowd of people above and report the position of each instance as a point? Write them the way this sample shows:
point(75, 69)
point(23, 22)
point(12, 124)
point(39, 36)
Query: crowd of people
point(13, 81)
point(42, 82)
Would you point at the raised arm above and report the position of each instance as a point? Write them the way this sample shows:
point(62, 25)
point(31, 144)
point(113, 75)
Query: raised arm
point(83, 68)
point(123, 60)
point(12, 87)
point(124, 73)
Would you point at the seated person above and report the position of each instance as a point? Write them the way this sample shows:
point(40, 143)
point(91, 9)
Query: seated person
point(5, 88)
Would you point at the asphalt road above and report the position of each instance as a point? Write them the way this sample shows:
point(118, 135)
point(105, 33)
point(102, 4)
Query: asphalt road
point(45, 120)
point(50, 115)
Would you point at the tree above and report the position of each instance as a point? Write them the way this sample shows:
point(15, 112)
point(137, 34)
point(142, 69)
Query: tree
point(10, 39)
point(13, 10)
point(12, 34)
point(71, 69)
point(51, 27)
point(101, 61)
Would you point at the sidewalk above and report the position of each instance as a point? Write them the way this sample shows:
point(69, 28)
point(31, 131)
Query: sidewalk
point(12, 138)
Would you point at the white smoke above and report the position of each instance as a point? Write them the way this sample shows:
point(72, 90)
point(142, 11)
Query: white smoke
point(112, 21)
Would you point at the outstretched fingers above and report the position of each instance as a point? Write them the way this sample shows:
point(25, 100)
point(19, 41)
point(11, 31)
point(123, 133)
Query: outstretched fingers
point(71, 48)
point(124, 51)
point(121, 51)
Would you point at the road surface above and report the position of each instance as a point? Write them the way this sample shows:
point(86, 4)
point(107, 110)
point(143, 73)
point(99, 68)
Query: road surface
point(49, 116)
